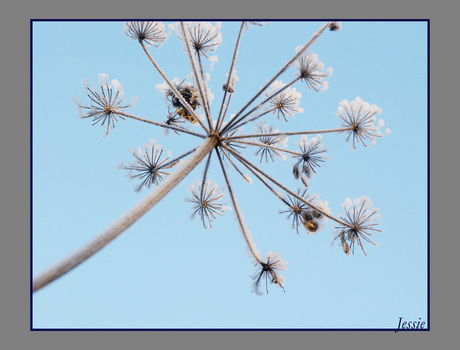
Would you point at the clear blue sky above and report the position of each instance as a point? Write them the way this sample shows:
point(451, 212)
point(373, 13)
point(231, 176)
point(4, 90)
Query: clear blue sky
point(167, 271)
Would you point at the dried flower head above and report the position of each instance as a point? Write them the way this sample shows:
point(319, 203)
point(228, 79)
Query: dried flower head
point(172, 119)
point(269, 270)
point(148, 165)
point(359, 117)
point(206, 202)
point(311, 71)
point(286, 103)
point(304, 216)
point(204, 37)
point(312, 156)
point(273, 141)
point(360, 220)
point(151, 33)
point(107, 101)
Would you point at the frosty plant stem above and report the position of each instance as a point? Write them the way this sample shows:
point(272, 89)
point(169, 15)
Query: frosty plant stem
point(254, 169)
point(234, 120)
point(229, 78)
point(198, 77)
point(173, 88)
point(239, 216)
point(125, 220)
point(172, 127)
point(289, 133)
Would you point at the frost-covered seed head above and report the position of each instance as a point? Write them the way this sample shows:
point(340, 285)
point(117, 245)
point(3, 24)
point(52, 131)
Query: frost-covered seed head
point(312, 156)
point(204, 37)
point(359, 116)
point(148, 165)
point(311, 71)
point(268, 269)
point(107, 101)
point(206, 202)
point(304, 216)
point(151, 33)
point(361, 220)
point(275, 141)
point(285, 103)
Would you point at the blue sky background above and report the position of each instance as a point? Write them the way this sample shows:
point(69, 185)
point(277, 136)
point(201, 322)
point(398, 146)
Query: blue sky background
point(167, 271)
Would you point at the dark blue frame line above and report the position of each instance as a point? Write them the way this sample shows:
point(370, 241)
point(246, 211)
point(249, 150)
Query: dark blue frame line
point(231, 329)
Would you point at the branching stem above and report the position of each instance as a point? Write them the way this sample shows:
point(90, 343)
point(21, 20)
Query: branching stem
point(311, 205)
point(285, 67)
point(125, 220)
point(173, 88)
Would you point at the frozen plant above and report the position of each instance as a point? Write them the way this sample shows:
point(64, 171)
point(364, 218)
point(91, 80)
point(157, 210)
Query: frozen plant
point(224, 138)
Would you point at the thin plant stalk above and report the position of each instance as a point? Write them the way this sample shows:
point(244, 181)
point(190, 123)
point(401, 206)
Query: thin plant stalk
point(239, 217)
point(311, 205)
point(234, 165)
point(175, 160)
point(287, 133)
point(198, 76)
point(267, 185)
point(252, 119)
point(173, 88)
point(125, 220)
point(282, 70)
point(172, 127)
point(221, 117)
point(239, 123)
point(268, 146)
point(205, 174)
point(225, 112)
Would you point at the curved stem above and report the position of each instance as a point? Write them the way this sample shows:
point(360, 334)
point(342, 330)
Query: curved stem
point(125, 220)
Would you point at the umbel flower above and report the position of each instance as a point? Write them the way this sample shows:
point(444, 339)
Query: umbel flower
point(311, 156)
point(151, 33)
point(148, 165)
point(360, 221)
point(311, 71)
point(303, 215)
point(270, 144)
point(358, 118)
point(107, 102)
point(204, 37)
point(269, 272)
point(286, 102)
point(223, 138)
point(206, 202)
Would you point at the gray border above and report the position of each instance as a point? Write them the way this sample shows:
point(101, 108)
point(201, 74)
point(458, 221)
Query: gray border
point(15, 147)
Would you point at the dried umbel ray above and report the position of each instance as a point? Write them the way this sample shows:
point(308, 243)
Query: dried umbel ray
point(224, 139)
